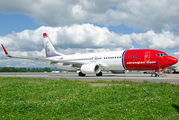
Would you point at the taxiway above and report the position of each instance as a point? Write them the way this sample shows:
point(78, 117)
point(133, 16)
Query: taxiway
point(170, 78)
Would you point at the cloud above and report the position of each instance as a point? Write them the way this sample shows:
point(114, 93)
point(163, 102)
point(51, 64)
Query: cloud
point(87, 36)
point(75, 36)
point(57, 12)
point(144, 14)
point(150, 39)
point(138, 14)
point(67, 40)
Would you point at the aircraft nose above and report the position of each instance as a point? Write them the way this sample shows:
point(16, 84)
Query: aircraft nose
point(172, 60)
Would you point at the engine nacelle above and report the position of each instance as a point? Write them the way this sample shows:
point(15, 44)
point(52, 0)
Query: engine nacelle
point(90, 69)
point(118, 71)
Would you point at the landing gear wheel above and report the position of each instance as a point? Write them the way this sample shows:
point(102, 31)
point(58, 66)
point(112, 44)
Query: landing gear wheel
point(156, 75)
point(99, 74)
point(81, 74)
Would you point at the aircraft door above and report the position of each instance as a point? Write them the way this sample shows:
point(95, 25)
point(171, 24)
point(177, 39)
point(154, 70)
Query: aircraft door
point(93, 59)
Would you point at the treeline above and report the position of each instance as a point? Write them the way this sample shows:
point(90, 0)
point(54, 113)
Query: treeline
point(23, 69)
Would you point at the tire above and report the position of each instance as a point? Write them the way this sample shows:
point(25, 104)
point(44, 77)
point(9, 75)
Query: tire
point(156, 75)
point(99, 74)
point(81, 74)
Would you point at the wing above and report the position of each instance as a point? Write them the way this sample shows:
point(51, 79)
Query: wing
point(50, 59)
point(23, 57)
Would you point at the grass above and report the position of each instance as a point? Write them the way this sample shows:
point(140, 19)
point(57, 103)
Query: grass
point(37, 98)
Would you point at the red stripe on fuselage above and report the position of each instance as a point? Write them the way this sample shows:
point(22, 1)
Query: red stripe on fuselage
point(146, 59)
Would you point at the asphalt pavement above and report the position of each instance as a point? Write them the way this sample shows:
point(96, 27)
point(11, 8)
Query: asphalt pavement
point(136, 77)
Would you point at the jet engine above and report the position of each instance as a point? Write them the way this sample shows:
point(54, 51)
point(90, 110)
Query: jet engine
point(90, 69)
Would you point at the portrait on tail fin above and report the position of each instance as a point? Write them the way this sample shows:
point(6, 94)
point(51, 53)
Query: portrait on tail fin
point(47, 49)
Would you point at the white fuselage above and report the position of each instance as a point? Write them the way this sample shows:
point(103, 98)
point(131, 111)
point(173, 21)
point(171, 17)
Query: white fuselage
point(109, 60)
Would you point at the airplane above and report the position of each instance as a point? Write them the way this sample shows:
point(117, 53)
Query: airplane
point(173, 68)
point(94, 63)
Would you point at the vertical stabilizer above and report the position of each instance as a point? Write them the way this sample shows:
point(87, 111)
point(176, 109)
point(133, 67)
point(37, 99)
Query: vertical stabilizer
point(49, 49)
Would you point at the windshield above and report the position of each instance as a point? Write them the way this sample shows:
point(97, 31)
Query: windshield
point(162, 54)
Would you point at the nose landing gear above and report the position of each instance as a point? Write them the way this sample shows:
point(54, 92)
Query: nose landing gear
point(159, 73)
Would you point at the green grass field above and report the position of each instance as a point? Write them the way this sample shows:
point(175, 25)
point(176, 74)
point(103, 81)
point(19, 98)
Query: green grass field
point(29, 98)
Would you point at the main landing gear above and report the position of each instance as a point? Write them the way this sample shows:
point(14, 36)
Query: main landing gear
point(82, 74)
point(99, 74)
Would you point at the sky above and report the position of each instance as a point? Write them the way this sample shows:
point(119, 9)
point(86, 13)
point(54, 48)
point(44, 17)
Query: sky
point(83, 26)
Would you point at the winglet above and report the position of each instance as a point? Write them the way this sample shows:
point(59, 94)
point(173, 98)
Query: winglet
point(44, 35)
point(4, 49)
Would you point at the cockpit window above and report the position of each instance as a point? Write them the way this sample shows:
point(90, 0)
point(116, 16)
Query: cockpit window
point(162, 54)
